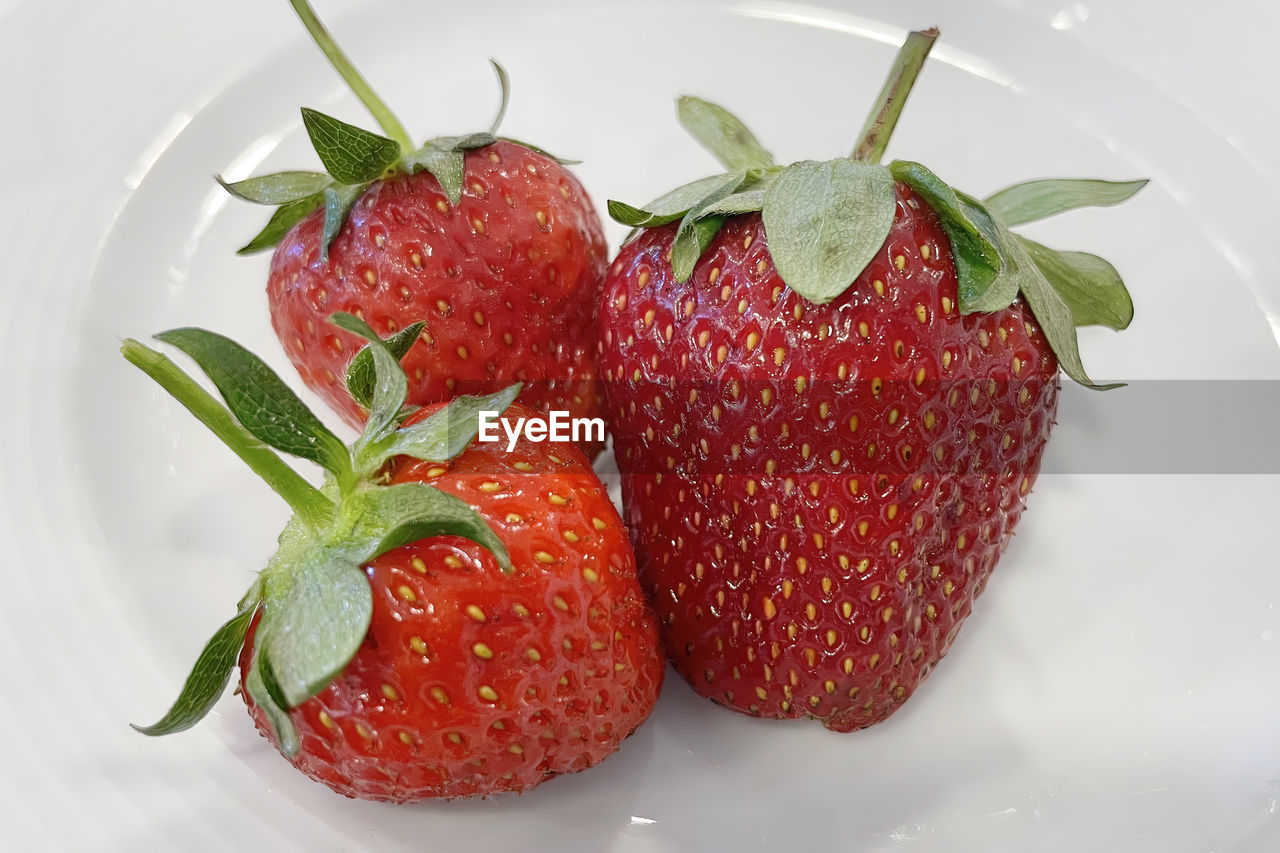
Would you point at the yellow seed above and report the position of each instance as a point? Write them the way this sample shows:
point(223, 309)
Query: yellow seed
point(752, 340)
point(770, 610)
point(406, 593)
point(438, 694)
point(418, 645)
point(590, 575)
point(482, 651)
point(570, 536)
point(390, 692)
point(559, 603)
point(558, 500)
point(418, 565)
point(490, 486)
point(487, 693)
point(326, 720)
point(543, 557)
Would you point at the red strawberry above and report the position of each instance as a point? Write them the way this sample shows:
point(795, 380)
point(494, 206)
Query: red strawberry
point(828, 414)
point(443, 618)
point(492, 242)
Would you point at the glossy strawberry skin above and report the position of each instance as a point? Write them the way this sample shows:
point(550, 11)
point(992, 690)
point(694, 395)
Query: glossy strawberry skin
point(566, 644)
point(506, 282)
point(817, 493)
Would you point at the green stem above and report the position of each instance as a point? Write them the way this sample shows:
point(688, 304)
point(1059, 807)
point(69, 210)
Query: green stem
point(312, 507)
point(874, 137)
point(381, 112)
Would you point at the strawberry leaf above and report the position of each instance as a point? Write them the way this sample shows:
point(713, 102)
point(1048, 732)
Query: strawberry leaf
point(1089, 285)
point(361, 376)
point(692, 239)
point(723, 134)
point(1051, 311)
point(696, 231)
point(349, 153)
point(970, 229)
point(208, 677)
point(504, 85)
point(981, 293)
point(1033, 200)
point(260, 400)
point(265, 693)
point(390, 385)
point(445, 162)
point(338, 200)
point(280, 188)
point(285, 217)
point(446, 433)
point(308, 503)
point(675, 204)
point(391, 516)
point(316, 608)
point(825, 222)
point(743, 201)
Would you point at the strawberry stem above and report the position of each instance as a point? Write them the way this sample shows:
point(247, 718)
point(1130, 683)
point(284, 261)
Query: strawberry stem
point(875, 133)
point(376, 106)
point(311, 506)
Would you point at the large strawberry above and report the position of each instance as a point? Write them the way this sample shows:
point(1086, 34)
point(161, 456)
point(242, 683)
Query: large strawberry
point(492, 242)
point(442, 618)
point(830, 386)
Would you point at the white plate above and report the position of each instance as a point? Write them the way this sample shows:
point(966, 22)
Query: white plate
point(1117, 687)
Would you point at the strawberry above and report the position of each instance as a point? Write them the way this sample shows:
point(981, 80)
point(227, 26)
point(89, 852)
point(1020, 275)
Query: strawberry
point(830, 387)
point(492, 242)
point(443, 618)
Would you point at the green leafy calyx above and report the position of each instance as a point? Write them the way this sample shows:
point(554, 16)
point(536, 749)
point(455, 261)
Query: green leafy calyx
point(355, 158)
point(826, 221)
point(312, 601)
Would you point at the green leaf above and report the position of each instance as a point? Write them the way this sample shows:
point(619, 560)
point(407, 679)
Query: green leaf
point(391, 387)
point(675, 204)
point(446, 433)
point(978, 289)
point(469, 142)
point(1090, 286)
point(445, 162)
point(1032, 200)
point(743, 201)
point(208, 677)
point(260, 400)
point(692, 239)
point(361, 376)
point(723, 134)
point(315, 613)
point(349, 153)
point(504, 84)
point(338, 200)
point(282, 220)
point(391, 516)
point(268, 699)
point(280, 188)
point(970, 229)
point(825, 222)
point(1052, 313)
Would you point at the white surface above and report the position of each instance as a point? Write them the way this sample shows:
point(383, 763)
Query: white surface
point(1117, 688)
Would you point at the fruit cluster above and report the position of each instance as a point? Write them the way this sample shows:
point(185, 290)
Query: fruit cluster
point(829, 386)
